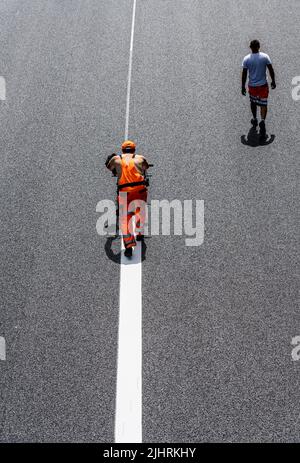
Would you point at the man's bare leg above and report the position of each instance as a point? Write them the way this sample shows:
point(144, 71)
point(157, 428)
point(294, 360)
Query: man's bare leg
point(254, 114)
point(263, 112)
point(254, 109)
point(262, 125)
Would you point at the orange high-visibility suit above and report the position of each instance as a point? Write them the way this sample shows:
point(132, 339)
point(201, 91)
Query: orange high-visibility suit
point(132, 183)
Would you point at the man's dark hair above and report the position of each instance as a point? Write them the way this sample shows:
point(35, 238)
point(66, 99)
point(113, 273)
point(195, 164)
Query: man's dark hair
point(254, 45)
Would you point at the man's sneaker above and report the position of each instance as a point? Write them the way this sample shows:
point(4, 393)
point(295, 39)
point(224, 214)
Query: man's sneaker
point(139, 237)
point(262, 129)
point(128, 252)
point(254, 122)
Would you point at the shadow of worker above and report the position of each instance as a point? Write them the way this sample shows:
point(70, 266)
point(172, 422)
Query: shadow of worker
point(254, 139)
point(113, 251)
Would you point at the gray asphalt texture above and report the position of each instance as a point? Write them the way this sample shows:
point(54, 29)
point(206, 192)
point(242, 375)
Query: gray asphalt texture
point(218, 319)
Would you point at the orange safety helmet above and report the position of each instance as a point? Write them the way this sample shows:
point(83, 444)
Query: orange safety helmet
point(128, 145)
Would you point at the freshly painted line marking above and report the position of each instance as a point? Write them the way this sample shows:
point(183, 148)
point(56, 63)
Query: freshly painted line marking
point(128, 424)
point(2, 348)
point(2, 88)
point(129, 70)
point(128, 418)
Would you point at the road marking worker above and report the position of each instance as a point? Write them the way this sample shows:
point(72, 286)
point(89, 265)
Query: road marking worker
point(257, 63)
point(130, 168)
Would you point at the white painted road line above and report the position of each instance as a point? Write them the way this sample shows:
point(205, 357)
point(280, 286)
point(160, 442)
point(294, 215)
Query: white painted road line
point(128, 417)
point(2, 348)
point(129, 71)
point(2, 88)
point(128, 423)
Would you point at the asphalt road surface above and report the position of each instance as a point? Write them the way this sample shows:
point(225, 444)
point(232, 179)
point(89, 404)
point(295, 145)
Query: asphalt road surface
point(218, 319)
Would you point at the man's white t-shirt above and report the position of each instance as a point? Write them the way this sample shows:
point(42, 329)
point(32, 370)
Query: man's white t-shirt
point(256, 63)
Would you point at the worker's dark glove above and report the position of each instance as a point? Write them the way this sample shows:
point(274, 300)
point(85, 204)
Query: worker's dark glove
point(109, 158)
point(244, 91)
point(273, 85)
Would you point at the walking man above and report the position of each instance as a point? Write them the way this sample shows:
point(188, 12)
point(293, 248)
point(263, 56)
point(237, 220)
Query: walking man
point(257, 63)
point(130, 168)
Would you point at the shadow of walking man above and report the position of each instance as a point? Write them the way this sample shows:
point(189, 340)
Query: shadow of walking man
point(254, 139)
